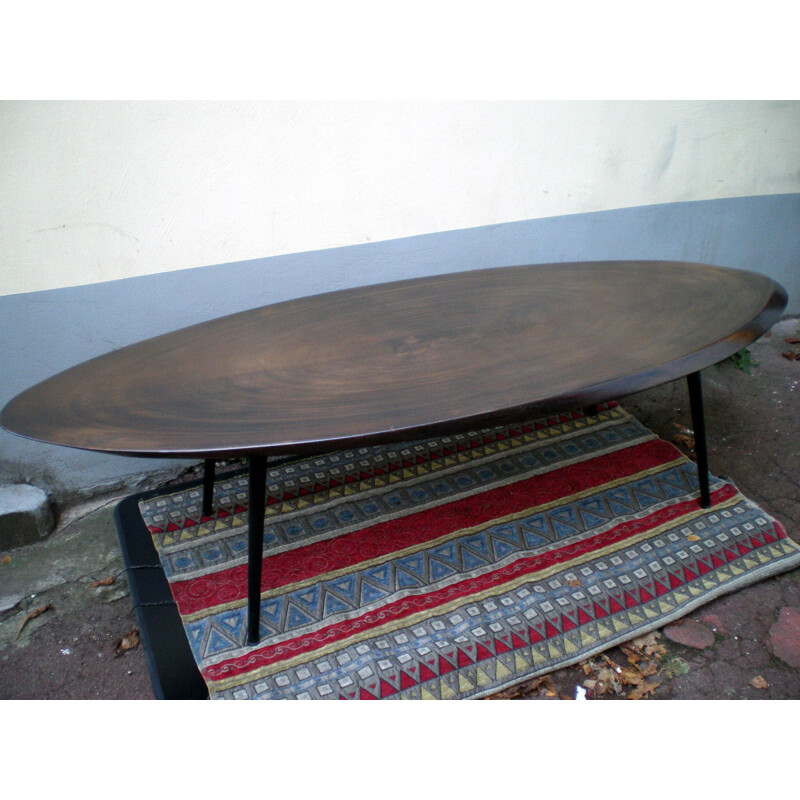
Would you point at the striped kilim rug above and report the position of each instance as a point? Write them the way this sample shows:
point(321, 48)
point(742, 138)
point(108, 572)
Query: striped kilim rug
point(457, 566)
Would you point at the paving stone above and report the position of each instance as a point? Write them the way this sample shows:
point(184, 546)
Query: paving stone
point(784, 637)
point(728, 680)
point(691, 634)
point(25, 515)
point(714, 622)
point(728, 649)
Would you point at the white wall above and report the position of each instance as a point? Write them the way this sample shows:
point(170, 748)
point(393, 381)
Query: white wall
point(94, 191)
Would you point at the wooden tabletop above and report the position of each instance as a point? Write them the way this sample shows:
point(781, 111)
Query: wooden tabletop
point(399, 360)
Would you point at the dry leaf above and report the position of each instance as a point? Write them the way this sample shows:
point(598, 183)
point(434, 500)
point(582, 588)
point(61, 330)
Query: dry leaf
point(643, 689)
point(35, 613)
point(685, 443)
point(612, 664)
point(506, 694)
point(574, 582)
point(104, 582)
point(649, 668)
point(792, 356)
point(759, 683)
point(652, 648)
point(692, 537)
point(538, 687)
point(499, 696)
point(607, 681)
point(646, 645)
point(550, 689)
point(793, 340)
point(631, 677)
point(128, 642)
point(5, 560)
point(633, 656)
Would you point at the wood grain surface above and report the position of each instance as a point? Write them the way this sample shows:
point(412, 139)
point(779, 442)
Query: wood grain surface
point(395, 361)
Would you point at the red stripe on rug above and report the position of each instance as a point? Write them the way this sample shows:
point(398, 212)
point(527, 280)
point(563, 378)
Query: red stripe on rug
point(313, 640)
point(345, 551)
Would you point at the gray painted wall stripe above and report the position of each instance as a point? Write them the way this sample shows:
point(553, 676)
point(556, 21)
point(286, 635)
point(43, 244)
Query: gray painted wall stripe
point(45, 332)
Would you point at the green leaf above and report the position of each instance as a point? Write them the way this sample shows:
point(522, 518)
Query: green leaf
point(675, 666)
point(743, 361)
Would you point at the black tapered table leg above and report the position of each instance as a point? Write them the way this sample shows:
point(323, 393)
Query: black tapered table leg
point(699, 425)
point(209, 469)
point(255, 539)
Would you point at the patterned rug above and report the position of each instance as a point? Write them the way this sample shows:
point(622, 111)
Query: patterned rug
point(457, 566)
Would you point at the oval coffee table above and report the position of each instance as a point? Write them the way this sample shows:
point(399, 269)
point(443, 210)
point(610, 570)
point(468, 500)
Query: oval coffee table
point(397, 361)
